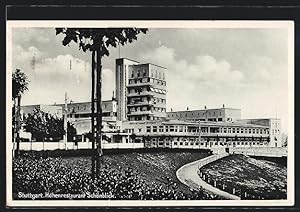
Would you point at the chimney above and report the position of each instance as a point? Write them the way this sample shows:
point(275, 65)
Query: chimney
point(187, 108)
point(205, 107)
point(223, 106)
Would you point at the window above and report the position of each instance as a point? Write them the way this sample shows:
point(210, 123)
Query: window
point(171, 128)
point(154, 128)
point(148, 129)
point(140, 130)
point(167, 128)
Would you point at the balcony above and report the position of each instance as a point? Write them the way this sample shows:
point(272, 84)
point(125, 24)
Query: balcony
point(139, 84)
point(143, 93)
point(139, 113)
point(140, 103)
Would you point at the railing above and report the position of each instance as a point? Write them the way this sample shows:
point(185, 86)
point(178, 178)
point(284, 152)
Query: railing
point(140, 113)
point(137, 103)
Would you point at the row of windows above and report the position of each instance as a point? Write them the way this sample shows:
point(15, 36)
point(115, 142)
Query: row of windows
point(86, 115)
point(245, 130)
point(276, 124)
point(145, 89)
point(146, 80)
point(185, 114)
point(147, 108)
point(138, 73)
point(72, 108)
point(143, 118)
point(146, 99)
point(175, 128)
point(166, 128)
point(142, 73)
point(212, 140)
point(157, 74)
point(161, 143)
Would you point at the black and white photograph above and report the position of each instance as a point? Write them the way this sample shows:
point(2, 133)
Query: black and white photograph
point(150, 113)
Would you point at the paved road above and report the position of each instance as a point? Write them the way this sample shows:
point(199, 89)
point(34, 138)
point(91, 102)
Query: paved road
point(188, 175)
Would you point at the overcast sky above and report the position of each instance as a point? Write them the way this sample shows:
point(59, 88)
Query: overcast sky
point(241, 68)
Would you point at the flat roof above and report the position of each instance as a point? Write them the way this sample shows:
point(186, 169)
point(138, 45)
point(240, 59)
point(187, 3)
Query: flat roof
point(140, 64)
point(207, 123)
point(124, 58)
point(203, 110)
point(59, 104)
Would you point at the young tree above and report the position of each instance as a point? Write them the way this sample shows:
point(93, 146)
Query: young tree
point(36, 124)
point(44, 126)
point(98, 41)
point(19, 86)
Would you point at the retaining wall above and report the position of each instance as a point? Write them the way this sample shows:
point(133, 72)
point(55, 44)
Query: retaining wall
point(260, 151)
point(38, 146)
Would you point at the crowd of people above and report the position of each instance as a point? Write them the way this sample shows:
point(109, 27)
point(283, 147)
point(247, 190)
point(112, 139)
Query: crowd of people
point(53, 175)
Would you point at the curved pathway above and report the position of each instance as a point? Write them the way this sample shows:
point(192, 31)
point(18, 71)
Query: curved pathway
point(188, 175)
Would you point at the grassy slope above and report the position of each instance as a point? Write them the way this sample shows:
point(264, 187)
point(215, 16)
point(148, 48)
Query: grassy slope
point(259, 175)
point(153, 167)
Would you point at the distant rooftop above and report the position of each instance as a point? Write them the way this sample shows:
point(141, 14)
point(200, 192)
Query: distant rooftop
point(58, 104)
point(203, 109)
point(212, 123)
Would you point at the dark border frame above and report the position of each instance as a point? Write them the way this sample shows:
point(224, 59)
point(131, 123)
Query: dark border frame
point(137, 10)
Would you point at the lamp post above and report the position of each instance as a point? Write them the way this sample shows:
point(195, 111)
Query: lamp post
point(66, 120)
point(199, 136)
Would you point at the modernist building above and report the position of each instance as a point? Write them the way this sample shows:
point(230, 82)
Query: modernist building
point(219, 115)
point(183, 134)
point(138, 114)
point(122, 74)
point(51, 109)
point(140, 91)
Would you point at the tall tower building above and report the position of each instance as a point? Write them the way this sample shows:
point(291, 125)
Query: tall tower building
point(121, 86)
point(146, 97)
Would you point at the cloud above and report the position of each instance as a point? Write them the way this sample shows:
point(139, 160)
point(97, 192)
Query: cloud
point(27, 36)
point(243, 68)
point(51, 77)
point(205, 68)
